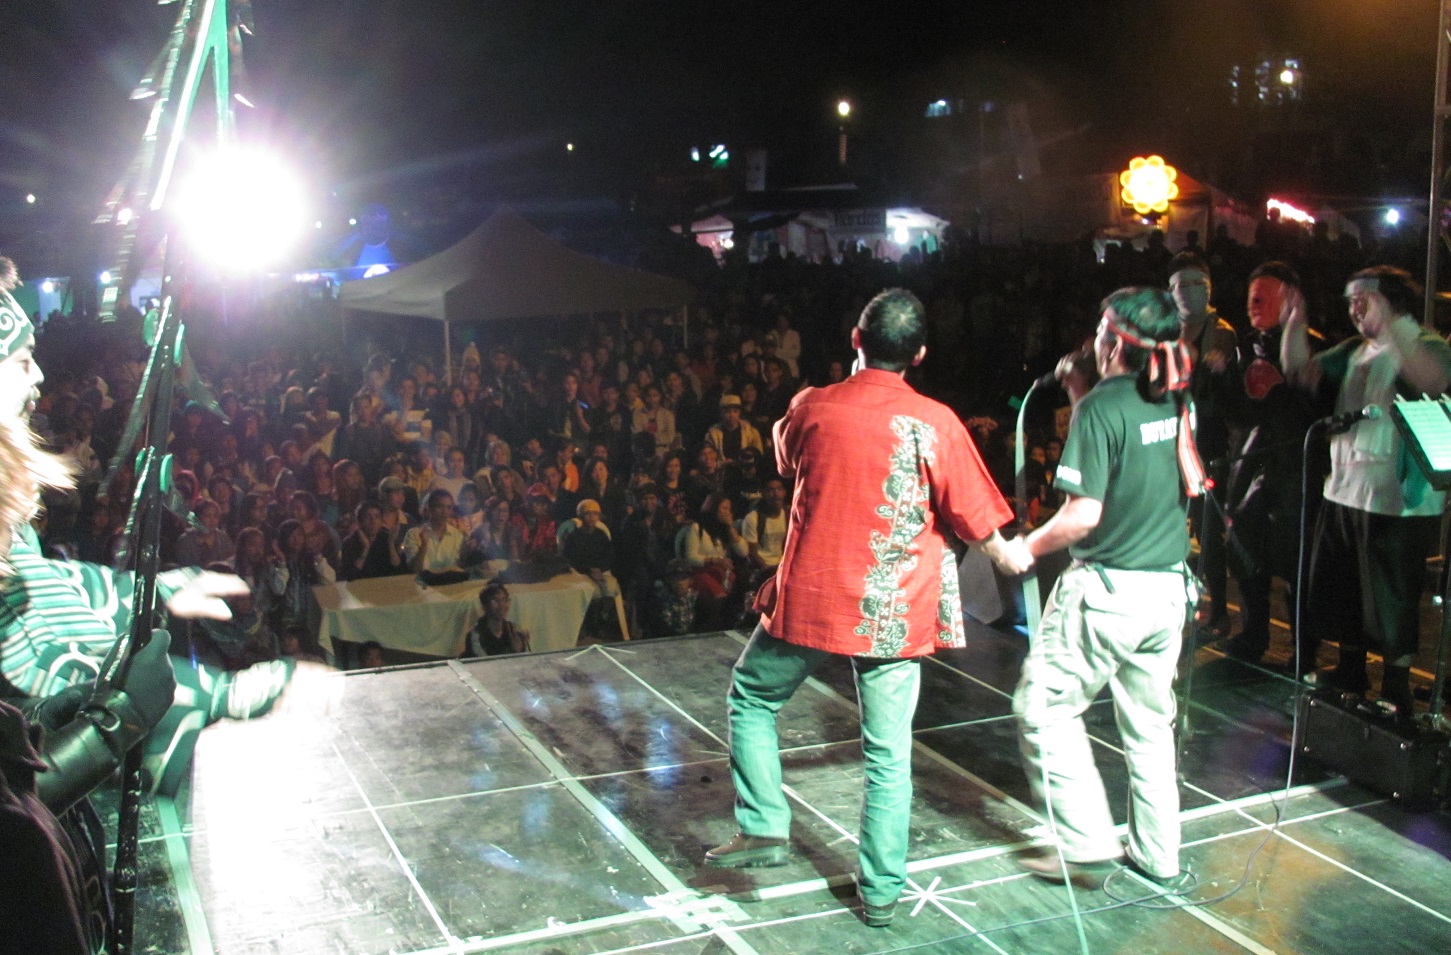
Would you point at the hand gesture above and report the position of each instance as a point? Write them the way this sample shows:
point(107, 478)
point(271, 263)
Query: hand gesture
point(202, 596)
point(1013, 557)
point(1292, 307)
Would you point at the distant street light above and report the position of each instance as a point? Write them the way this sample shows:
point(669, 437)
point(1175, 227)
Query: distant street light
point(1393, 217)
point(843, 110)
point(30, 198)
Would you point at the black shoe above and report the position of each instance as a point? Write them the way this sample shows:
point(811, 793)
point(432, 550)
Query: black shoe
point(1086, 875)
point(1348, 685)
point(748, 852)
point(878, 916)
point(1245, 648)
point(1395, 689)
point(1177, 884)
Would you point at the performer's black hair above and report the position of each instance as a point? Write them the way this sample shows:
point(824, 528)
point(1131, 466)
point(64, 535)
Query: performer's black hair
point(1403, 292)
point(893, 329)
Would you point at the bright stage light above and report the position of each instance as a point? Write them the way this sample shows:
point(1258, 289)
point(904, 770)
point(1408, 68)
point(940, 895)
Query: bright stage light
point(901, 236)
point(1393, 217)
point(105, 277)
point(843, 108)
point(124, 216)
point(1148, 184)
point(30, 198)
point(47, 287)
point(376, 269)
point(242, 209)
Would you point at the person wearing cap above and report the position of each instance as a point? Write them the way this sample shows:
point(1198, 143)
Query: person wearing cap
point(732, 435)
point(883, 477)
point(1116, 615)
point(590, 551)
point(538, 539)
point(1379, 520)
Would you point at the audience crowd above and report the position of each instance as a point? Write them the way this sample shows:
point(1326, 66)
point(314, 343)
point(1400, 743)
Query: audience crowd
point(634, 449)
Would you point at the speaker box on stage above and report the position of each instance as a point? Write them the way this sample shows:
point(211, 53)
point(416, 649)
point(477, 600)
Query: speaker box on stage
point(1409, 763)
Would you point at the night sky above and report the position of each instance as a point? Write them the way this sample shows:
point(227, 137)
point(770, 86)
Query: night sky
point(372, 93)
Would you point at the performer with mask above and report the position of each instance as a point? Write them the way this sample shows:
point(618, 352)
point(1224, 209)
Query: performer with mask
point(1262, 495)
point(1116, 616)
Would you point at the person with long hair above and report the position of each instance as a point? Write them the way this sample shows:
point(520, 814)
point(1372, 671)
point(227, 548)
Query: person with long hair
point(300, 568)
point(60, 620)
point(598, 485)
point(317, 479)
point(497, 538)
point(1116, 616)
point(349, 486)
point(711, 545)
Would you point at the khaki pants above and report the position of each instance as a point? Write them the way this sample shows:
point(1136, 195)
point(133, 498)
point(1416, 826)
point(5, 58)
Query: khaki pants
point(1122, 629)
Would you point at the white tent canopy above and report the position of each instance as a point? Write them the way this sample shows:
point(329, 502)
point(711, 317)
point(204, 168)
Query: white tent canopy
point(506, 268)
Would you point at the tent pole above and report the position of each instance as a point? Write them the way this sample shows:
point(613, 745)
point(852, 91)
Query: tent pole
point(447, 357)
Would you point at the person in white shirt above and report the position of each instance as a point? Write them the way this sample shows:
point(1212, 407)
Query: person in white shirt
point(764, 528)
point(433, 550)
point(657, 420)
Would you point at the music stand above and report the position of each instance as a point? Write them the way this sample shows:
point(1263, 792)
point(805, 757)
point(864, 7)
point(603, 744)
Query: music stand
point(1425, 426)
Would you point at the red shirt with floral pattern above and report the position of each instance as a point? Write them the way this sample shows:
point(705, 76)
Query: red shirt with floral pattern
point(882, 476)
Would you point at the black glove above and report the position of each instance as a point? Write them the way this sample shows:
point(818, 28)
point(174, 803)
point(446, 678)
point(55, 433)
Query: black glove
point(84, 751)
point(150, 685)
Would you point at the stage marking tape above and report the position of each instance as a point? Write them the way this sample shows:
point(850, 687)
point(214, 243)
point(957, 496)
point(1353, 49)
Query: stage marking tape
point(612, 823)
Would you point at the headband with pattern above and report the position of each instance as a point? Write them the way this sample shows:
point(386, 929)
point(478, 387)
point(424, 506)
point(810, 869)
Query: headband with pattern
point(1170, 367)
point(16, 330)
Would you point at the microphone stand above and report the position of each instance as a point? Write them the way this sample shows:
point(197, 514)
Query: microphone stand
point(153, 484)
point(1032, 602)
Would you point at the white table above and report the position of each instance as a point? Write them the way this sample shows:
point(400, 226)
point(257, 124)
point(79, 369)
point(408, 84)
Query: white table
point(398, 613)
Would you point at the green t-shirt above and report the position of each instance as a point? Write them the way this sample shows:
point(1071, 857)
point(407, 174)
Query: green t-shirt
point(1121, 451)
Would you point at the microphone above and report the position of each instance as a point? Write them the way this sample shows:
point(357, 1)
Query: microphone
point(1336, 424)
point(1043, 381)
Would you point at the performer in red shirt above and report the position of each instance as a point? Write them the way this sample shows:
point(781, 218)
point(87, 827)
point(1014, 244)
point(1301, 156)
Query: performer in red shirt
point(882, 476)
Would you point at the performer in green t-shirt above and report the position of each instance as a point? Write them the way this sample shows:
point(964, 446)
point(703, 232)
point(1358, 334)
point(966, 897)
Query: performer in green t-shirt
point(1116, 616)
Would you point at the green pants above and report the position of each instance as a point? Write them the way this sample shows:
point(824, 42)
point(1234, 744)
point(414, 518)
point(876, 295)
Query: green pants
point(767, 674)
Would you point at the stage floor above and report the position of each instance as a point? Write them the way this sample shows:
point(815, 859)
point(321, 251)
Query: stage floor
point(561, 803)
